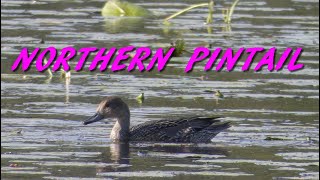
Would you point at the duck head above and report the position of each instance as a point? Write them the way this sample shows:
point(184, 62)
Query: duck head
point(111, 107)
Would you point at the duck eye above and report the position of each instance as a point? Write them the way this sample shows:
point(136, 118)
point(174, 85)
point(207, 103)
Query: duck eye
point(106, 106)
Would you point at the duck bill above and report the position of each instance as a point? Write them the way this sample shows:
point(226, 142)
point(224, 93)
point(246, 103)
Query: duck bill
point(96, 117)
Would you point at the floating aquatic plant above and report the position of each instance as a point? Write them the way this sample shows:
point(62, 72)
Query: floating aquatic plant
point(229, 12)
point(140, 98)
point(218, 94)
point(124, 8)
point(121, 8)
point(179, 46)
point(123, 16)
point(48, 70)
point(65, 74)
point(210, 14)
point(186, 10)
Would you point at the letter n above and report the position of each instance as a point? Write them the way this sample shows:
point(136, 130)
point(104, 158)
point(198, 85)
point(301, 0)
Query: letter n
point(25, 59)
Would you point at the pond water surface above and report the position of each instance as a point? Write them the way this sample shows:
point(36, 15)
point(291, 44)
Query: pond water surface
point(42, 136)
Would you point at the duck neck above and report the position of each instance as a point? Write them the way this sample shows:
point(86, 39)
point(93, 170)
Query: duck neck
point(121, 130)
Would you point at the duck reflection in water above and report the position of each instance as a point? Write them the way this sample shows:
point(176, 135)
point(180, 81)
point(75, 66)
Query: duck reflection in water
point(124, 156)
point(117, 154)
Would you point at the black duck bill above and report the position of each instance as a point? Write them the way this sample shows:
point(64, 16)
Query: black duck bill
point(95, 118)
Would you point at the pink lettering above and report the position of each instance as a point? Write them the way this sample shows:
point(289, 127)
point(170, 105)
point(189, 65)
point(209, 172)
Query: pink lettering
point(199, 54)
point(253, 52)
point(52, 55)
point(25, 59)
point(231, 61)
point(268, 59)
point(142, 54)
point(67, 53)
point(162, 60)
point(100, 56)
point(85, 53)
point(122, 56)
point(293, 66)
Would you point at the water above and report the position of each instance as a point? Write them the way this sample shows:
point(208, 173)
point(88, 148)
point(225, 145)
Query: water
point(41, 132)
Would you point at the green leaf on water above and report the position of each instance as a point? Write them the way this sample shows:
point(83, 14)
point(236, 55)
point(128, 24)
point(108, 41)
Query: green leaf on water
point(218, 94)
point(140, 98)
point(124, 8)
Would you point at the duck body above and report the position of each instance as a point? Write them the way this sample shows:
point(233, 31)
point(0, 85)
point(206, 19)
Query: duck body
point(183, 130)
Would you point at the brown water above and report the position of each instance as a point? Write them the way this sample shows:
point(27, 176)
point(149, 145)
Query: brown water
point(41, 132)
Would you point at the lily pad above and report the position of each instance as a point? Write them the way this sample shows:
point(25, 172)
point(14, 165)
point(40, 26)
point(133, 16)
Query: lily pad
point(124, 8)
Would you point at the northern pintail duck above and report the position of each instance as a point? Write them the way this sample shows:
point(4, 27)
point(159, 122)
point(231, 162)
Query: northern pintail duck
point(183, 130)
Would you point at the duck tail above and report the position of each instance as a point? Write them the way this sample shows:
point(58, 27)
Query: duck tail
point(218, 127)
point(206, 134)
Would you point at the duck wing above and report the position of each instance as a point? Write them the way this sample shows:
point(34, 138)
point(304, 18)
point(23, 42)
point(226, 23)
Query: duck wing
point(187, 130)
